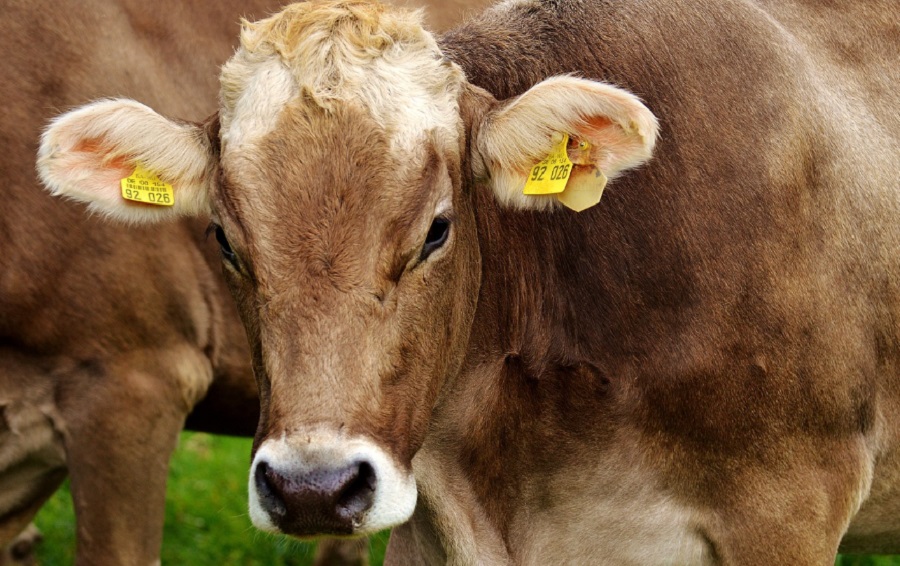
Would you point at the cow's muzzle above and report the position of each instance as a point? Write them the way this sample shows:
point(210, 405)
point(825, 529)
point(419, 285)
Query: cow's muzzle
point(325, 485)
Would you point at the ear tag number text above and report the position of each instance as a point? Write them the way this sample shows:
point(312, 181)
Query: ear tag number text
point(144, 186)
point(577, 185)
point(549, 176)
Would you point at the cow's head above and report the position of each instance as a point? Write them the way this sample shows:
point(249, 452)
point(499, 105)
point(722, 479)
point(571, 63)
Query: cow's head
point(340, 176)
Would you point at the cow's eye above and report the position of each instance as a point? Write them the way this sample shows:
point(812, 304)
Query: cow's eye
point(437, 236)
point(227, 252)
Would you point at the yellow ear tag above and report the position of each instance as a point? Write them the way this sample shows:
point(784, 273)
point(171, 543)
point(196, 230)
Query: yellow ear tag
point(549, 176)
point(584, 189)
point(144, 186)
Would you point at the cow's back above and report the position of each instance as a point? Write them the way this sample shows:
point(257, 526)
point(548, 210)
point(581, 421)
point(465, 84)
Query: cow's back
point(851, 56)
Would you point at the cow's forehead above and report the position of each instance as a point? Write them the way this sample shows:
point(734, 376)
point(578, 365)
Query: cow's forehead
point(328, 53)
point(342, 200)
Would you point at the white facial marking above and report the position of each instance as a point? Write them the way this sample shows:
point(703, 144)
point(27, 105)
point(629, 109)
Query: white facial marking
point(400, 94)
point(392, 69)
point(263, 86)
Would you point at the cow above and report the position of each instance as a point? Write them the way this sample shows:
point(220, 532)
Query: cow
point(108, 337)
point(701, 368)
point(106, 345)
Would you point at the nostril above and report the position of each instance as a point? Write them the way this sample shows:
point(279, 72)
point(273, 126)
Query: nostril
point(267, 489)
point(358, 493)
point(309, 502)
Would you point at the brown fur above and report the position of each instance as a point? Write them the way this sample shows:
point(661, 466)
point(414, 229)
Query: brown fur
point(724, 319)
point(440, 15)
point(96, 321)
point(730, 316)
point(701, 369)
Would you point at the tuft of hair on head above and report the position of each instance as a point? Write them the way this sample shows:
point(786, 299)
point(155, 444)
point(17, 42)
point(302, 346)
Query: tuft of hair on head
point(369, 28)
point(376, 56)
point(322, 40)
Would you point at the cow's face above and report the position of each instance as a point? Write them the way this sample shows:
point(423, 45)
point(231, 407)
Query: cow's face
point(351, 247)
point(356, 271)
point(340, 177)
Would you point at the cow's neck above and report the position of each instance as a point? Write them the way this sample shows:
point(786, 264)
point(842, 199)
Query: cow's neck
point(549, 369)
point(494, 420)
point(529, 392)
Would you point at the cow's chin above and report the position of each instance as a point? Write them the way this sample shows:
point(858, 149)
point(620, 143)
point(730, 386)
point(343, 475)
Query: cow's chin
point(317, 483)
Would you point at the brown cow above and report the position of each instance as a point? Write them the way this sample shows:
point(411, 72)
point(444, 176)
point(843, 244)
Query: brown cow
point(702, 369)
point(107, 337)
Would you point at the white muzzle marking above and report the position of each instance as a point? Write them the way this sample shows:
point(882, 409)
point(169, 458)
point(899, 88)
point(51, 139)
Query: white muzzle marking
point(306, 455)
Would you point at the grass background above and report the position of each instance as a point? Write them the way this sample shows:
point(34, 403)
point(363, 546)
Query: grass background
point(207, 521)
point(206, 514)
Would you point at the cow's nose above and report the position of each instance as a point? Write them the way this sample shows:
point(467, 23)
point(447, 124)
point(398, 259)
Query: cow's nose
point(319, 501)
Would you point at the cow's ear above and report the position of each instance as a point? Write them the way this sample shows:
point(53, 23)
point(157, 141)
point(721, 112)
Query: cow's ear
point(609, 131)
point(85, 154)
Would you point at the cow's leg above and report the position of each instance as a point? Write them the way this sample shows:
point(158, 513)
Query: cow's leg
point(32, 451)
point(123, 422)
point(342, 552)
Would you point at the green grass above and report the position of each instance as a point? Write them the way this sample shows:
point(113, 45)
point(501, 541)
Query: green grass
point(867, 560)
point(206, 516)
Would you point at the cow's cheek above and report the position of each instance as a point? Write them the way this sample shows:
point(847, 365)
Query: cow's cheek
point(244, 296)
point(448, 322)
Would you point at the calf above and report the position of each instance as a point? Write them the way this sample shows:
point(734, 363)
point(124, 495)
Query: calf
point(701, 369)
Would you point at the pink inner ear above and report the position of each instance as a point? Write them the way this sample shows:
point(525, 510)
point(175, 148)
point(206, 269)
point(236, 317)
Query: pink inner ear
point(97, 176)
point(90, 145)
point(601, 132)
point(91, 148)
point(611, 146)
point(598, 123)
point(121, 166)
